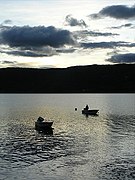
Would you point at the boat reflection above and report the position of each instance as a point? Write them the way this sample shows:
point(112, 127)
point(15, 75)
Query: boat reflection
point(45, 131)
point(87, 115)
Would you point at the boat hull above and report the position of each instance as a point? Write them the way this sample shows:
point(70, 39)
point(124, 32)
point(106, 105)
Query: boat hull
point(90, 112)
point(43, 125)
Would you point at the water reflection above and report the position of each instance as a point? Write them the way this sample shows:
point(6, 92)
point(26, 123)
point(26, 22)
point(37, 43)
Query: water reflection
point(90, 115)
point(80, 147)
point(25, 146)
point(46, 131)
point(118, 169)
point(120, 162)
point(123, 124)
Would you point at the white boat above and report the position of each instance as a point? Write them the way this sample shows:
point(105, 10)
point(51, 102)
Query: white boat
point(43, 125)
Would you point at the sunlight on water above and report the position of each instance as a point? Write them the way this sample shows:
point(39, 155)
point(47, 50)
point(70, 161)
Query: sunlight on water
point(80, 147)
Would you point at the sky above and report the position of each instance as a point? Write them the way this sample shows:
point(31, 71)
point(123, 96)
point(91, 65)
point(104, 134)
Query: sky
point(60, 34)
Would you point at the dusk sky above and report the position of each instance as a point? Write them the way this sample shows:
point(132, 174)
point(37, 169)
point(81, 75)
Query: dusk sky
point(59, 33)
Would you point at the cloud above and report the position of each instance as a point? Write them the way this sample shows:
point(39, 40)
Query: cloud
point(7, 62)
point(36, 41)
point(25, 53)
point(93, 33)
point(74, 22)
point(27, 36)
point(25, 65)
point(7, 21)
point(121, 26)
point(30, 51)
point(116, 11)
point(111, 44)
point(64, 50)
point(123, 58)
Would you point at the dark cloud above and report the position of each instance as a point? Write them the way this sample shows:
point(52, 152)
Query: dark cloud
point(36, 36)
point(34, 41)
point(69, 50)
point(121, 26)
point(93, 33)
point(131, 45)
point(7, 62)
point(111, 44)
point(123, 58)
point(7, 21)
point(25, 53)
point(48, 66)
point(95, 16)
point(74, 22)
point(116, 11)
point(30, 51)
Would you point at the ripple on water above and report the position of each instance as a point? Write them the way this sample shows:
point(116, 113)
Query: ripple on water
point(118, 169)
point(25, 149)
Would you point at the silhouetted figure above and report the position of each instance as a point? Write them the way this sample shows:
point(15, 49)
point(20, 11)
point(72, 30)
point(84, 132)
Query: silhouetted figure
point(40, 119)
point(87, 107)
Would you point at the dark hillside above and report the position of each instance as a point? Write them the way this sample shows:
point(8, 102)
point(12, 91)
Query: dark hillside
point(80, 79)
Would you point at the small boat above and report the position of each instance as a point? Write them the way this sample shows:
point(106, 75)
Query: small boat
point(90, 111)
point(43, 125)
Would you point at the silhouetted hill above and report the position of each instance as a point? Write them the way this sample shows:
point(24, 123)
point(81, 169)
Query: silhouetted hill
point(80, 79)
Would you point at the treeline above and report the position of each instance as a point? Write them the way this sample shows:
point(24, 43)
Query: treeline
point(118, 78)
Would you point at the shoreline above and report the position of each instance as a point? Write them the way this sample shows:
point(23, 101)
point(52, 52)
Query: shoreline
point(118, 78)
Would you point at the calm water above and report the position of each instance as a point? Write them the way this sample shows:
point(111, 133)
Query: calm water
point(92, 148)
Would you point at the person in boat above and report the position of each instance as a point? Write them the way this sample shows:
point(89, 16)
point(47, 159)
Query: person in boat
point(87, 107)
point(40, 119)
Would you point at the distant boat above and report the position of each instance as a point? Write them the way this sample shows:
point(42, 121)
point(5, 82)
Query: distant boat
point(90, 111)
point(42, 125)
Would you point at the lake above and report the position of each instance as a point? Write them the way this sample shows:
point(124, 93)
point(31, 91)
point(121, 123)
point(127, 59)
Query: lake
point(92, 148)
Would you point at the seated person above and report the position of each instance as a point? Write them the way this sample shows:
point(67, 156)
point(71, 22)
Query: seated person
point(86, 108)
point(40, 119)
